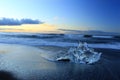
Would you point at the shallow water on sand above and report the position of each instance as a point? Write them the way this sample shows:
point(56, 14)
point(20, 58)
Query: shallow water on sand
point(28, 63)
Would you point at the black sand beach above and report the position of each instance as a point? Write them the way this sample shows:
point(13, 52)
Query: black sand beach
point(31, 66)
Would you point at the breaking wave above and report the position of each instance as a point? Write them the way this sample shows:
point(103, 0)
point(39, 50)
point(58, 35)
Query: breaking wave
point(60, 40)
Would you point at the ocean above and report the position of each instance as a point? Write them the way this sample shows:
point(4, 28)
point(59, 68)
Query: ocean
point(60, 40)
point(31, 56)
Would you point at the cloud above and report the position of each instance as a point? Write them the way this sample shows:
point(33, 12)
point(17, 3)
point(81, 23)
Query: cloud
point(12, 22)
point(90, 32)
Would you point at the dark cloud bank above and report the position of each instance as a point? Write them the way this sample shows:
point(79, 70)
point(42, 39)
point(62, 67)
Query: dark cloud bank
point(11, 21)
point(89, 32)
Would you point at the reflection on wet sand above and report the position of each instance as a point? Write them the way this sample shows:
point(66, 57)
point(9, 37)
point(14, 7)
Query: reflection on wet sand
point(26, 63)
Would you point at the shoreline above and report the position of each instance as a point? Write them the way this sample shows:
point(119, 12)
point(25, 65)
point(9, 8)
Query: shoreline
point(26, 63)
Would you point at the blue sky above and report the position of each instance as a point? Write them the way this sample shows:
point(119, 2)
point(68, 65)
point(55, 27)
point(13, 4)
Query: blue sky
point(67, 14)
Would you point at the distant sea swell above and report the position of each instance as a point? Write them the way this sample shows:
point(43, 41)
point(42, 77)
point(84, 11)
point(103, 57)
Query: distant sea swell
point(61, 40)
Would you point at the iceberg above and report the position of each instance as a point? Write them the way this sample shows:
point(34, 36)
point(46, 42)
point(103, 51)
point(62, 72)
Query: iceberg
point(81, 54)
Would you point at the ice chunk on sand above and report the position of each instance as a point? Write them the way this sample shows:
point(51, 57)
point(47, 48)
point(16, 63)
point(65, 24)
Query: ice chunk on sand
point(81, 54)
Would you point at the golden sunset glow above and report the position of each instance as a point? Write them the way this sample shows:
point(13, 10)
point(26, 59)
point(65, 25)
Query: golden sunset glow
point(29, 28)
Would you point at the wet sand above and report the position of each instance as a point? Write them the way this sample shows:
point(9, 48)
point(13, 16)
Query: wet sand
point(26, 63)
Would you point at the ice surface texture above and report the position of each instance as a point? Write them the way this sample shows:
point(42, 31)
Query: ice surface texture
point(81, 54)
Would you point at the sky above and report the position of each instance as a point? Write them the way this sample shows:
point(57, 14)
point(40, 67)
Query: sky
point(53, 15)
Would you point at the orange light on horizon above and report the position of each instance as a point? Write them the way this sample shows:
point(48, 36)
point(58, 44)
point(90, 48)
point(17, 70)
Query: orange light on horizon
point(29, 28)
